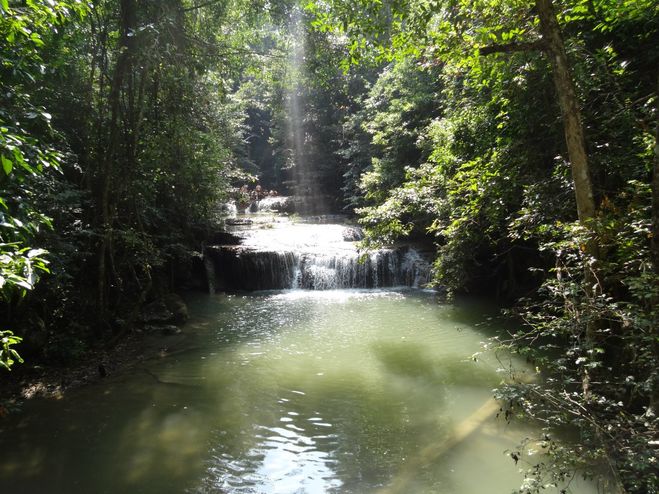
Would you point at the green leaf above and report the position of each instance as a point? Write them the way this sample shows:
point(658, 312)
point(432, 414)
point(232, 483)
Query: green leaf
point(24, 284)
point(7, 165)
point(5, 5)
point(35, 252)
point(36, 39)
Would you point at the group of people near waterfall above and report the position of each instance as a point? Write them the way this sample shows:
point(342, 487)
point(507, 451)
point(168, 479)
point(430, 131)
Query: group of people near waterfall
point(245, 195)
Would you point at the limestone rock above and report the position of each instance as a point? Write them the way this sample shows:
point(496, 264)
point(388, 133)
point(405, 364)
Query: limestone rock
point(353, 234)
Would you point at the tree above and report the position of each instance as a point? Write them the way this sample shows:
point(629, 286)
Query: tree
point(440, 32)
point(28, 149)
point(122, 68)
point(140, 125)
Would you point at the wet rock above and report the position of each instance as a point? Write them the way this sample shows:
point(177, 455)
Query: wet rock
point(164, 329)
point(177, 307)
point(170, 329)
point(170, 309)
point(156, 313)
point(238, 221)
point(153, 328)
point(352, 234)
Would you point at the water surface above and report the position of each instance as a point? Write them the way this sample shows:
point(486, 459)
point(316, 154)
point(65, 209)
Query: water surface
point(341, 391)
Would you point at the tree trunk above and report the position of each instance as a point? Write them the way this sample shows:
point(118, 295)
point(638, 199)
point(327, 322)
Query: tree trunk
point(654, 392)
point(567, 99)
point(576, 148)
point(655, 188)
point(121, 70)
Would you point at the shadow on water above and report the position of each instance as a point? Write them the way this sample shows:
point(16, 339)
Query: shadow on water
point(112, 437)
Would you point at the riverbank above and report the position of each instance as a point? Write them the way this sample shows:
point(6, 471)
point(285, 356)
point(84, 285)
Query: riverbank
point(49, 381)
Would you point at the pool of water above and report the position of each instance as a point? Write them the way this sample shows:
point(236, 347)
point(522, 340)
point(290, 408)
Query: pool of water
point(341, 391)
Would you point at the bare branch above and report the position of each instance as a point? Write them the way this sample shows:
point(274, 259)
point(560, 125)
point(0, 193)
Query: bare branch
point(201, 5)
point(512, 47)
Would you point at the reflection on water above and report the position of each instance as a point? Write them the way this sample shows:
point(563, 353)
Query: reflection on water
point(294, 392)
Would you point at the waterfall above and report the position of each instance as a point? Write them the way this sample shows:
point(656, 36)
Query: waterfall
point(282, 254)
point(209, 268)
point(382, 268)
point(246, 269)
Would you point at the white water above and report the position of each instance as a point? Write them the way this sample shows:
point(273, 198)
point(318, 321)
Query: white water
point(278, 253)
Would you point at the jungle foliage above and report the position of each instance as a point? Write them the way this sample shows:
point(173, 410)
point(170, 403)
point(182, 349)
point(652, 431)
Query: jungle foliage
point(518, 138)
point(120, 135)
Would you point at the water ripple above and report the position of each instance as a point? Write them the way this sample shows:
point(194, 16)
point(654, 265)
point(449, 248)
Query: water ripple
point(284, 460)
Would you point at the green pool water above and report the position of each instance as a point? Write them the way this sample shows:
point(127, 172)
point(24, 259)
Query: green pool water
point(341, 391)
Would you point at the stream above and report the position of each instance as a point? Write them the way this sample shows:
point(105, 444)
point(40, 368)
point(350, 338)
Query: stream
point(286, 391)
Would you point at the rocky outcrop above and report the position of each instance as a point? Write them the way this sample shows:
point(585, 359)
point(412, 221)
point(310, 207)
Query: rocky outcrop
point(156, 313)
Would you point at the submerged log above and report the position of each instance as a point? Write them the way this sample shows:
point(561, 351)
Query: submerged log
point(463, 431)
point(432, 452)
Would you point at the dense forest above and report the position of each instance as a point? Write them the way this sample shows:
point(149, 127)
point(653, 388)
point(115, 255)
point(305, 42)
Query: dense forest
point(518, 138)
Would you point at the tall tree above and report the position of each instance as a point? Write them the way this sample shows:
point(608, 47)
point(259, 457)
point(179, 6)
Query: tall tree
point(570, 109)
point(112, 146)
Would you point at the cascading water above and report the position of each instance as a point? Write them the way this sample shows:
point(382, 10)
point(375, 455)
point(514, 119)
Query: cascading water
point(383, 268)
point(310, 255)
point(284, 255)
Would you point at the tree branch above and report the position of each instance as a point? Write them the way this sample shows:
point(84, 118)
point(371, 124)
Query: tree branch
point(201, 5)
point(512, 47)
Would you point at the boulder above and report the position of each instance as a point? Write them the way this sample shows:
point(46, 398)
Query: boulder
point(169, 330)
point(352, 234)
point(170, 309)
point(177, 307)
point(164, 329)
point(156, 312)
